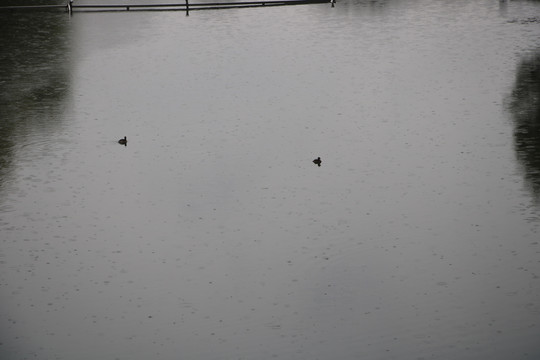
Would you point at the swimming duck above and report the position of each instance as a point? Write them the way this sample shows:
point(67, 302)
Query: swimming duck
point(123, 141)
point(317, 161)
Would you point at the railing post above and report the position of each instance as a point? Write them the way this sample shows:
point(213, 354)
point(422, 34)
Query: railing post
point(333, 2)
point(70, 6)
point(187, 7)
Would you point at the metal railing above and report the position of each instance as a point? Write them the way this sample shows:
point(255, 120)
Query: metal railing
point(70, 7)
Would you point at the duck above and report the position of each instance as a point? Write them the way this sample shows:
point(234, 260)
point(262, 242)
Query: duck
point(317, 161)
point(123, 141)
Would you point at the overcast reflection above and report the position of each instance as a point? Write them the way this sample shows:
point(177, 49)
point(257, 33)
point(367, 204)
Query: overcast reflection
point(301, 182)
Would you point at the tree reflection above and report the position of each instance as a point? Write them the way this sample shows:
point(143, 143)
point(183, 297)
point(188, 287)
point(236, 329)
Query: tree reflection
point(525, 108)
point(34, 78)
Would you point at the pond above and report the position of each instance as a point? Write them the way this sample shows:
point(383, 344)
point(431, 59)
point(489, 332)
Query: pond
point(212, 234)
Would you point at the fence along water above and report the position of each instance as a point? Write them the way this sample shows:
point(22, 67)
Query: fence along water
point(70, 6)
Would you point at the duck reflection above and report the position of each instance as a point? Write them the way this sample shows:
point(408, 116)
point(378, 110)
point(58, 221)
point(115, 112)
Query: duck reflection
point(525, 107)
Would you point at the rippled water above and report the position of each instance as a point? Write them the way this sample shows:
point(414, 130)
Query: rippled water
point(212, 235)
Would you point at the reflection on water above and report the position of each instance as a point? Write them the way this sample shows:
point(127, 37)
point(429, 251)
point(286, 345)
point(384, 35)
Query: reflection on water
point(214, 235)
point(525, 106)
point(34, 76)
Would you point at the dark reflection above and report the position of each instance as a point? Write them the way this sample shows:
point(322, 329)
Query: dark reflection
point(123, 141)
point(525, 107)
point(503, 7)
point(34, 77)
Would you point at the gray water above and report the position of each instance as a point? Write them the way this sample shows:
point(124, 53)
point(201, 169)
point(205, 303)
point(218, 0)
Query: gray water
point(212, 235)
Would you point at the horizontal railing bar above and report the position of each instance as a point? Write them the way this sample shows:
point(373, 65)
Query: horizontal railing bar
point(33, 7)
point(176, 6)
point(291, 2)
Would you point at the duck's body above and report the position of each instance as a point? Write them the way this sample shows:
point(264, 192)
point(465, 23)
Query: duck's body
point(123, 141)
point(317, 161)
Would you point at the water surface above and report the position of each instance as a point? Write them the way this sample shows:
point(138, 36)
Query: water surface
point(212, 235)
